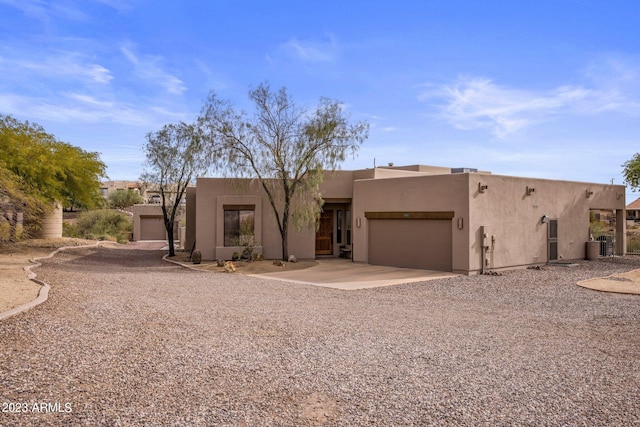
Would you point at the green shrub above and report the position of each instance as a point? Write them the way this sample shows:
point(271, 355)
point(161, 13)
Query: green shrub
point(5, 230)
point(246, 252)
point(124, 199)
point(70, 230)
point(104, 225)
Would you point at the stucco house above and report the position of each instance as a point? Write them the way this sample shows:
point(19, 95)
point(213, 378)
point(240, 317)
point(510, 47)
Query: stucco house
point(633, 210)
point(458, 220)
point(109, 187)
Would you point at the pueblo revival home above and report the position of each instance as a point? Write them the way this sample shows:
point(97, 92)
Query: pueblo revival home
point(425, 217)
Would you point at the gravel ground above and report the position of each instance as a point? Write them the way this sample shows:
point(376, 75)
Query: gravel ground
point(126, 339)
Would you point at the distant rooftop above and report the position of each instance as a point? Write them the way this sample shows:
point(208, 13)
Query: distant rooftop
point(635, 205)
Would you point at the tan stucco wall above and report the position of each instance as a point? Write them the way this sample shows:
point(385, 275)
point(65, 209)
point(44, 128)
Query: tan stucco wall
point(207, 190)
point(213, 193)
point(413, 194)
point(386, 172)
point(429, 170)
point(337, 185)
point(516, 235)
point(381, 173)
point(514, 218)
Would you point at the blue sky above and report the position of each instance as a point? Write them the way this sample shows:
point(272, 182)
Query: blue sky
point(545, 88)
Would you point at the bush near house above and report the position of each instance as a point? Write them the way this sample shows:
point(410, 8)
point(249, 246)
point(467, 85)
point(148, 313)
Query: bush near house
point(5, 230)
point(124, 199)
point(100, 225)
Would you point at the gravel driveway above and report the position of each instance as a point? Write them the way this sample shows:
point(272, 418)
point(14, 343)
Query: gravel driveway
point(127, 339)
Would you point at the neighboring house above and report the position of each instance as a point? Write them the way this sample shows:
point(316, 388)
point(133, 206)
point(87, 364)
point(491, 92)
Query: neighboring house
point(150, 193)
point(434, 218)
point(109, 187)
point(633, 210)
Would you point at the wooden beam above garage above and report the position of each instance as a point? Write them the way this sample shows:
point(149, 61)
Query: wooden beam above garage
point(409, 215)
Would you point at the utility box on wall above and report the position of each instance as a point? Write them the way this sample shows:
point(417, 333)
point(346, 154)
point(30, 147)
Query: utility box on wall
point(485, 231)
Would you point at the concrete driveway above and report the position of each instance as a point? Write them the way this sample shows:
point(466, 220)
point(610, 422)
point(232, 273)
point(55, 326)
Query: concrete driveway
point(344, 274)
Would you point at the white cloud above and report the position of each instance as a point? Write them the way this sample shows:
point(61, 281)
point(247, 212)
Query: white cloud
point(311, 50)
point(44, 11)
point(476, 103)
point(70, 65)
point(212, 79)
point(149, 69)
point(74, 107)
point(479, 103)
point(617, 79)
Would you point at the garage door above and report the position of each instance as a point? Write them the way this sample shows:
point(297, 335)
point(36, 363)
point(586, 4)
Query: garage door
point(411, 243)
point(152, 228)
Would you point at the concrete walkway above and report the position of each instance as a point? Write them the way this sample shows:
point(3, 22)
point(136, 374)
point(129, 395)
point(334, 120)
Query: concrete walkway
point(623, 283)
point(344, 274)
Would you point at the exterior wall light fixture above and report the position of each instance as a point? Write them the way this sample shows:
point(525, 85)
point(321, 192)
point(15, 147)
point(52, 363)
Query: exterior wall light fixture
point(530, 190)
point(589, 193)
point(482, 187)
point(358, 222)
point(544, 219)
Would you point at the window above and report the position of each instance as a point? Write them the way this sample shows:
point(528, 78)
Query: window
point(348, 221)
point(552, 231)
point(238, 225)
point(339, 231)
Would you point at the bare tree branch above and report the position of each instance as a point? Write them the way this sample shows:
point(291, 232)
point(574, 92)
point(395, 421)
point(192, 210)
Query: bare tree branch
point(283, 146)
point(175, 156)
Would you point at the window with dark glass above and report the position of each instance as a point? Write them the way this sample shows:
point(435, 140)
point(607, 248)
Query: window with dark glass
point(339, 230)
point(348, 221)
point(238, 225)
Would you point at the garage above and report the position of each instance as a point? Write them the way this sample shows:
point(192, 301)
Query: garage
point(410, 239)
point(152, 228)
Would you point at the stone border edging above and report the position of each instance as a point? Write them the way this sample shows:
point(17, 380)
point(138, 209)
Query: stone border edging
point(43, 294)
point(164, 258)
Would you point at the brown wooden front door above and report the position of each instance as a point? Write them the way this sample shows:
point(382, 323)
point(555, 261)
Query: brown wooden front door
point(324, 235)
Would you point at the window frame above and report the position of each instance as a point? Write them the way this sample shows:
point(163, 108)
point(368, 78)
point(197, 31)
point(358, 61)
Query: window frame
point(233, 237)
